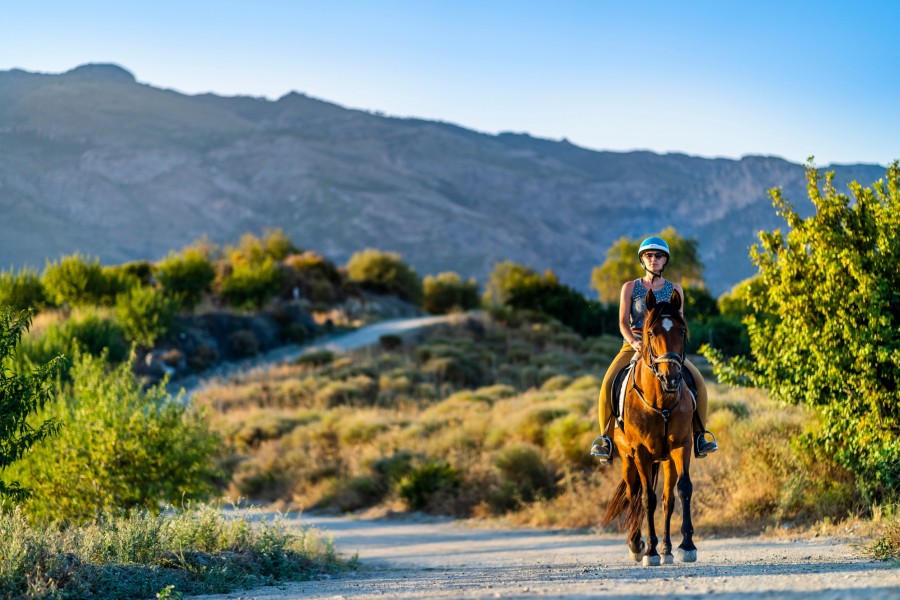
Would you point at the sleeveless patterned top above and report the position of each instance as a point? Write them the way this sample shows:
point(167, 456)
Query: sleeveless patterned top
point(638, 306)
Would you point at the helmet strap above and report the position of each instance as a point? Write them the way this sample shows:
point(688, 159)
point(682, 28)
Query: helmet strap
point(655, 274)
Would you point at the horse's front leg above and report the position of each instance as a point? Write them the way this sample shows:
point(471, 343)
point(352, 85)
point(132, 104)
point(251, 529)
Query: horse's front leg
point(669, 504)
point(687, 551)
point(651, 559)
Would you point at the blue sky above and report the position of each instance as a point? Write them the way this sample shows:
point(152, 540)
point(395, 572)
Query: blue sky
point(710, 78)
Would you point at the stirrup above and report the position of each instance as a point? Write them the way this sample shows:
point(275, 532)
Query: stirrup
point(702, 446)
point(602, 449)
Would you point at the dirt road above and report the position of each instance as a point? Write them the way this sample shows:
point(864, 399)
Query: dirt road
point(338, 343)
point(448, 559)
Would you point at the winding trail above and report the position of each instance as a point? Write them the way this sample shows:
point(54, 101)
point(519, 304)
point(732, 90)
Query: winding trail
point(432, 558)
point(338, 343)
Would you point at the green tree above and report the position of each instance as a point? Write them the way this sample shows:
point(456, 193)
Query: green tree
point(446, 292)
point(186, 276)
point(21, 395)
point(251, 285)
point(506, 277)
point(144, 314)
point(621, 264)
point(75, 280)
point(826, 328)
point(21, 291)
point(120, 447)
point(385, 272)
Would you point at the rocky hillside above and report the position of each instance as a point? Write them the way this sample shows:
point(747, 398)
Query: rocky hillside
point(91, 160)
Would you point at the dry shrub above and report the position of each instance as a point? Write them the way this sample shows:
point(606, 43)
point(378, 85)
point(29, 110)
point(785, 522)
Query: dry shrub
point(556, 384)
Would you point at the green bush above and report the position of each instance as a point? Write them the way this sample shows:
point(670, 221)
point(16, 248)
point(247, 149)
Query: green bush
point(421, 485)
point(825, 329)
point(196, 550)
point(250, 286)
point(21, 395)
point(186, 276)
point(144, 314)
point(385, 272)
point(120, 447)
point(22, 290)
point(447, 292)
point(524, 474)
point(88, 331)
point(75, 280)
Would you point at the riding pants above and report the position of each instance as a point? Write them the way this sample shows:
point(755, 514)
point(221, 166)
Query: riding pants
point(620, 362)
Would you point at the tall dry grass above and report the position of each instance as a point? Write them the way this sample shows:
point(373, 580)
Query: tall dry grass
point(479, 419)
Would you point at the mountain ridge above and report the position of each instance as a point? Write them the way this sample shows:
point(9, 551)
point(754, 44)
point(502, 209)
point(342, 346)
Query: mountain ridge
point(94, 161)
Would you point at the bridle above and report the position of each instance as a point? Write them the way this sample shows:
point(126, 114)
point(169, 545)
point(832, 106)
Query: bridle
point(654, 361)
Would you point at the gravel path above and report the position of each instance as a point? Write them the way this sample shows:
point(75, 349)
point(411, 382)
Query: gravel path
point(344, 342)
point(449, 559)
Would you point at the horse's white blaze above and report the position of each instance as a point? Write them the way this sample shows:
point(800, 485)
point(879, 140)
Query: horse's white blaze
point(667, 323)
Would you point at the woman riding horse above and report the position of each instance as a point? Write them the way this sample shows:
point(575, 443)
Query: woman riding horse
point(653, 255)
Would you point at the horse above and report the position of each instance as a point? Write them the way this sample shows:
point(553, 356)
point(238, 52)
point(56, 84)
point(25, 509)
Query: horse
point(657, 431)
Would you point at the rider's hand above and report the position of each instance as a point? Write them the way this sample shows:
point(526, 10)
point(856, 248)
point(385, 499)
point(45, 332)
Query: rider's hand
point(636, 344)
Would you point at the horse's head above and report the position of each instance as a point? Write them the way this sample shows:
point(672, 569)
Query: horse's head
point(665, 338)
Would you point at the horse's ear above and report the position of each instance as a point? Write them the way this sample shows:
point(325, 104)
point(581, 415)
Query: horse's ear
point(650, 301)
point(675, 300)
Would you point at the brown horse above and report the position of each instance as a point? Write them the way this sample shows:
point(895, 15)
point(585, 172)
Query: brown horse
point(657, 431)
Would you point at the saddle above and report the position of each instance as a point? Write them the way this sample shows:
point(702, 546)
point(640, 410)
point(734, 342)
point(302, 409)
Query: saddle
point(620, 385)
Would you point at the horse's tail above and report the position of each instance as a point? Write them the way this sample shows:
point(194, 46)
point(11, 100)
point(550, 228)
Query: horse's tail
point(617, 504)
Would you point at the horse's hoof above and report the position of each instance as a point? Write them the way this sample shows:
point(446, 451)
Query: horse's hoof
point(687, 556)
point(651, 561)
point(636, 556)
point(668, 559)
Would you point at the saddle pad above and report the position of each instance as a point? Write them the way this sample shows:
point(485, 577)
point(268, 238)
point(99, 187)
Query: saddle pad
point(619, 389)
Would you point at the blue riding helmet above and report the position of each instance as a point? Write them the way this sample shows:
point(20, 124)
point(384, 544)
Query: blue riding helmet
point(654, 243)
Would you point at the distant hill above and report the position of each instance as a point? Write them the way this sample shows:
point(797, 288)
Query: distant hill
point(91, 160)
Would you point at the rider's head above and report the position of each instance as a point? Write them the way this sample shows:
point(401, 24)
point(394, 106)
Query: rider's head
point(654, 254)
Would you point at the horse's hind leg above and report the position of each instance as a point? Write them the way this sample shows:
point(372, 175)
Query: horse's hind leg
point(687, 551)
point(636, 545)
point(669, 504)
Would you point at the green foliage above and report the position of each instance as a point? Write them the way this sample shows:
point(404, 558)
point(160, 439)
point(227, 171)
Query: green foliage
point(699, 305)
point(21, 395)
point(21, 291)
point(88, 331)
point(420, 486)
point(621, 264)
point(186, 276)
point(522, 288)
point(506, 277)
point(144, 314)
point(385, 272)
point(524, 475)
point(737, 303)
point(252, 250)
point(120, 447)
point(827, 329)
point(447, 292)
point(249, 285)
point(196, 550)
point(81, 281)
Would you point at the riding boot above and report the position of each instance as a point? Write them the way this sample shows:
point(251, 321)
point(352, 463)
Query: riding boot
point(702, 446)
point(602, 449)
